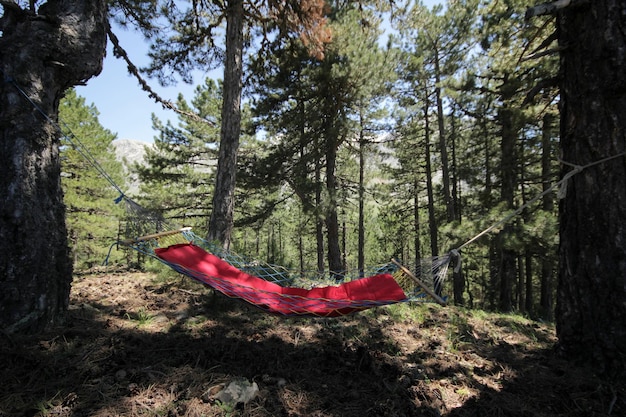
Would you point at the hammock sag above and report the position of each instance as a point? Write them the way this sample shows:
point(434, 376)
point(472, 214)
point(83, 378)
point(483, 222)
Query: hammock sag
point(276, 289)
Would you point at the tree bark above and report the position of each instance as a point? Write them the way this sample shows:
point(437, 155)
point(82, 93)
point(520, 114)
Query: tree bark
point(432, 220)
point(547, 259)
point(508, 171)
point(42, 55)
point(361, 220)
point(222, 214)
point(319, 219)
point(528, 281)
point(458, 278)
point(332, 223)
point(443, 146)
point(417, 246)
point(591, 295)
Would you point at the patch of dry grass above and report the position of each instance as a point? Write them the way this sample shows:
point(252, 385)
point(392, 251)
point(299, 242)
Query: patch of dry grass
point(136, 346)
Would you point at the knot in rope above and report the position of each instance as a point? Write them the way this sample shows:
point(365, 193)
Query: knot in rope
point(562, 192)
point(455, 256)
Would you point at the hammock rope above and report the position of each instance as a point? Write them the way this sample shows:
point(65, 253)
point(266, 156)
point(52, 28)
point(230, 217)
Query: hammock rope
point(67, 134)
point(561, 185)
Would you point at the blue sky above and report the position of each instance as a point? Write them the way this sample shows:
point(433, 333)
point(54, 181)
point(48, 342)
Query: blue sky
point(124, 108)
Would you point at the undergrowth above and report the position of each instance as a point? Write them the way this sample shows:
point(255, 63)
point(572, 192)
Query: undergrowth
point(152, 344)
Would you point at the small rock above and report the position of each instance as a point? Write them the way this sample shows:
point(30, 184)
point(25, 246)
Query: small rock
point(239, 391)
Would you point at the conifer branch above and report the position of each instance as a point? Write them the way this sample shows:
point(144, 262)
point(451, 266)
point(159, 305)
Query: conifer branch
point(120, 52)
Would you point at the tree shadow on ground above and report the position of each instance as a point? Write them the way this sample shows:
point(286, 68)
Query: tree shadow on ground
point(135, 348)
point(539, 382)
point(94, 366)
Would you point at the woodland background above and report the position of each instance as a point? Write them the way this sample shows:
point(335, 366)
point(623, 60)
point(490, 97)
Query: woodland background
point(350, 147)
point(418, 130)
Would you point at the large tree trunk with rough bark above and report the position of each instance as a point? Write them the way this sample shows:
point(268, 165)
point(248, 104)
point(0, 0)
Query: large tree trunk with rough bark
point(41, 55)
point(591, 296)
point(221, 222)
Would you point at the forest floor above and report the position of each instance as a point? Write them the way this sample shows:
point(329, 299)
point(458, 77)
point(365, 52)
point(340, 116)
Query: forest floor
point(136, 345)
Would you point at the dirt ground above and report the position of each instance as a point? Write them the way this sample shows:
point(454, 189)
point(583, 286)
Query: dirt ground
point(134, 345)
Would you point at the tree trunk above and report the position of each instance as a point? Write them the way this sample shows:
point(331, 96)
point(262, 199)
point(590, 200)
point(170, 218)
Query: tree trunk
point(432, 220)
point(458, 278)
point(332, 222)
point(361, 226)
point(443, 148)
point(506, 270)
point(508, 172)
point(417, 252)
point(591, 295)
point(221, 222)
point(301, 248)
point(41, 57)
point(319, 219)
point(547, 204)
point(487, 198)
point(528, 281)
point(494, 268)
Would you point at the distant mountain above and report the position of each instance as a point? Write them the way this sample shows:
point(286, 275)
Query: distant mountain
point(129, 152)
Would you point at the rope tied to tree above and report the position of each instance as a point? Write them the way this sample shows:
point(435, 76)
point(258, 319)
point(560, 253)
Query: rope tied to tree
point(561, 185)
point(73, 140)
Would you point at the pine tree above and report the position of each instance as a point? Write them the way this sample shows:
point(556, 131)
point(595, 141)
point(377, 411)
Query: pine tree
point(178, 174)
point(435, 44)
point(591, 308)
point(184, 48)
point(314, 111)
point(506, 45)
point(177, 178)
point(370, 71)
point(92, 215)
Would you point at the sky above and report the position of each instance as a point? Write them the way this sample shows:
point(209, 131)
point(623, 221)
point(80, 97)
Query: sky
point(124, 108)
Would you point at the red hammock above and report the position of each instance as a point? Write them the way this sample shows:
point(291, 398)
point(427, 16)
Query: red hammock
point(329, 301)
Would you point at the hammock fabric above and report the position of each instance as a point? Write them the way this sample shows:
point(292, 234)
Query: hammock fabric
point(331, 301)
